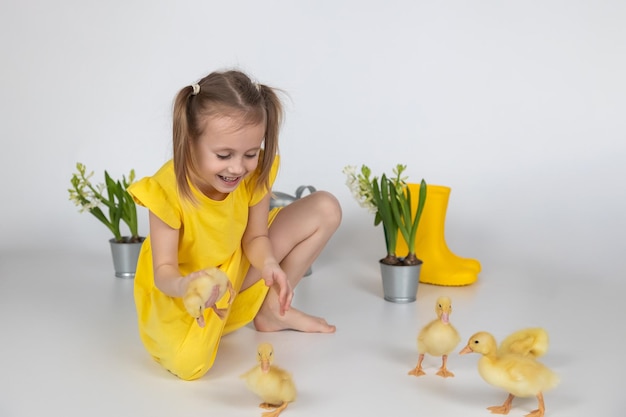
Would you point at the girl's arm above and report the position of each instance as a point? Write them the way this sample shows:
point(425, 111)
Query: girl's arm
point(258, 249)
point(164, 241)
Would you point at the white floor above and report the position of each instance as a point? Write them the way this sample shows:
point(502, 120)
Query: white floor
point(70, 347)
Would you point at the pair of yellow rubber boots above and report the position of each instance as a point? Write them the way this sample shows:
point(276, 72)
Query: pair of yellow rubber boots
point(440, 266)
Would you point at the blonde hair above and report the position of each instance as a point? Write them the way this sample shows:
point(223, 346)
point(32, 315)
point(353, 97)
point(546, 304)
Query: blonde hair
point(222, 93)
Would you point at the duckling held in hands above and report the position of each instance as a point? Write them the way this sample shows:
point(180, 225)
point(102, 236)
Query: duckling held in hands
point(518, 373)
point(437, 338)
point(205, 291)
point(272, 384)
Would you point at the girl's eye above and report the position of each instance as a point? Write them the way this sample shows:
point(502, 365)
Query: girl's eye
point(223, 156)
point(252, 156)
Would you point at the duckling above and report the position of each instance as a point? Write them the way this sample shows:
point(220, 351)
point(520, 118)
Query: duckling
point(520, 374)
point(437, 338)
point(200, 294)
point(272, 384)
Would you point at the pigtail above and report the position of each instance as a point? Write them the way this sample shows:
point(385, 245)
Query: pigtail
point(182, 140)
point(274, 115)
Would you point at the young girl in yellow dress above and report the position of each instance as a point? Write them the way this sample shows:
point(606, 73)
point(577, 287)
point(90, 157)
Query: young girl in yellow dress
point(209, 207)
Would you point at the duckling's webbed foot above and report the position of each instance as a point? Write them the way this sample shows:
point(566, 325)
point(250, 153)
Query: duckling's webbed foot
point(220, 312)
point(443, 371)
point(231, 293)
point(417, 371)
point(276, 412)
point(504, 408)
point(541, 410)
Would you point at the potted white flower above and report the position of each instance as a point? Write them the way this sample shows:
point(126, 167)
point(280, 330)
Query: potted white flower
point(389, 199)
point(119, 206)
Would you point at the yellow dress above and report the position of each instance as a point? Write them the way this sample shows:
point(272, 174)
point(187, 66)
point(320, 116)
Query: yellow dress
point(210, 235)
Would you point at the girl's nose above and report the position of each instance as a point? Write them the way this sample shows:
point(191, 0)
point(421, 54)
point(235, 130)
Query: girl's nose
point(237, 166)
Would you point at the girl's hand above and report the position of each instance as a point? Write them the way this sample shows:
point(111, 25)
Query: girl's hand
point(274, 276)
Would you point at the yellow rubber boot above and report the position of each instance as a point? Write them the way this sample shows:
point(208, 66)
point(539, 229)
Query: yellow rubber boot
point(441, 266)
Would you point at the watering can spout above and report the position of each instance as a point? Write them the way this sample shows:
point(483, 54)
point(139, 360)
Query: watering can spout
point(280, 199)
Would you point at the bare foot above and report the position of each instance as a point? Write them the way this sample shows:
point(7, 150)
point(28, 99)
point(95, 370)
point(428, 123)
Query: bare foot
point(268, 321)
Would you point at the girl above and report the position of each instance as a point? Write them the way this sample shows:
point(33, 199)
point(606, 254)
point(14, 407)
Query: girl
point(209, 206)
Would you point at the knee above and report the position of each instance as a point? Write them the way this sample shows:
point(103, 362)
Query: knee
point(328, 208)
point(187, 368)
point(188, 364)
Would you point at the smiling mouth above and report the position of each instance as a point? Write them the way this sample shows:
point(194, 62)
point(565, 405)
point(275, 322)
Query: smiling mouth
point(229, 179)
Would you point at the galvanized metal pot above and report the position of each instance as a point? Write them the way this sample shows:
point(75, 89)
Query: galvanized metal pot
point(400, 282)
point(125, 255)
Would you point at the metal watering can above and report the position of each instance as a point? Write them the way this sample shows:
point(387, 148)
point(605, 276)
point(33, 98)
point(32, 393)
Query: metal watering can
point(283, 199)
point(280, 199)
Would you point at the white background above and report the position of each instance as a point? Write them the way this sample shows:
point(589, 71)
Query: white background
point(518, 106)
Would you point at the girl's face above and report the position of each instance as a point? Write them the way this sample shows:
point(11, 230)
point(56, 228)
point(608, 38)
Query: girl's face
point(228, 151)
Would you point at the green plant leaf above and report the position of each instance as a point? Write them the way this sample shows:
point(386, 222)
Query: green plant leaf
point(392, 201)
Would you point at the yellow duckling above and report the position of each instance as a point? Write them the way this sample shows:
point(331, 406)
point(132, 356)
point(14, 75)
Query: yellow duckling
point(201, 294)
point(517, 373)
point(437, 338)
point(272, 384)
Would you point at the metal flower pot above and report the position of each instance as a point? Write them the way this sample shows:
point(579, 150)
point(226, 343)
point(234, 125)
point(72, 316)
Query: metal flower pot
point(125, 256)
point(400, 282)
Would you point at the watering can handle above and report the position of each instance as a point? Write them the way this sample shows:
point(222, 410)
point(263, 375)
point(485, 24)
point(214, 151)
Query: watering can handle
point(301, 189)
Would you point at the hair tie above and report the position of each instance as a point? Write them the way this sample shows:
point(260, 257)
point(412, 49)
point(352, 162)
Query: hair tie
point(196, 89)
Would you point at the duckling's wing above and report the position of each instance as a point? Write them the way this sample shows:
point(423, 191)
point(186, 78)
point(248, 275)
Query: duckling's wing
point(249, 373)
point(281, 373)
point(428, 328)
point(287, 387)
point(532, 342)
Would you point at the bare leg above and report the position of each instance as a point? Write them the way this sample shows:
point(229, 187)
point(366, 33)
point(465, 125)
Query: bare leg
point(443, 371)
point(504, 408)
point(298, 235)
point(417, 371)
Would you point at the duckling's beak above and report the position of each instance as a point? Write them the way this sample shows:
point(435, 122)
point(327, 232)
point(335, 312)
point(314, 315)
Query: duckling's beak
point(445, 317)
point(265, 366)
point(466, 350)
